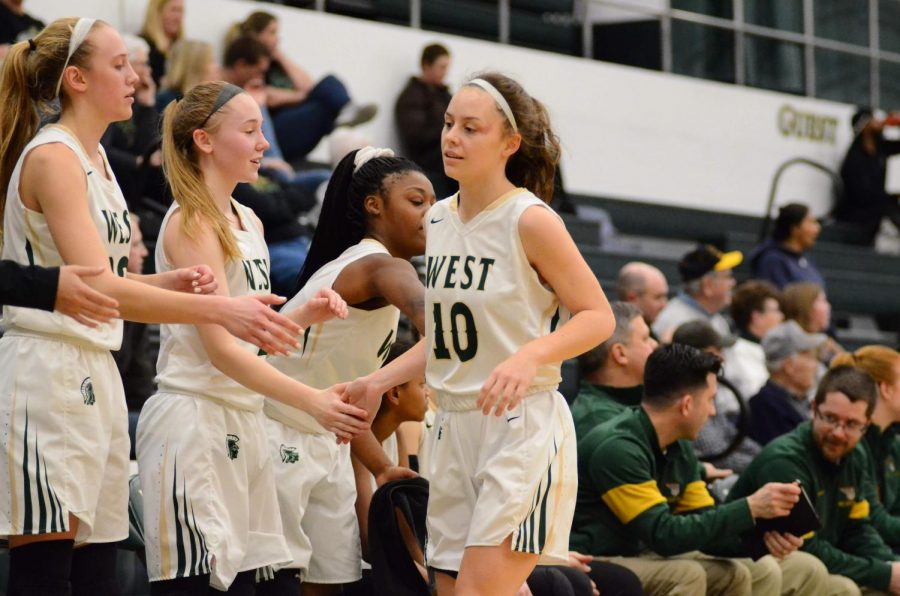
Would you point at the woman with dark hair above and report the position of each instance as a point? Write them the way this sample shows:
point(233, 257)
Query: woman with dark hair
point(371, 224)
point(508, 298)
point(781, 260)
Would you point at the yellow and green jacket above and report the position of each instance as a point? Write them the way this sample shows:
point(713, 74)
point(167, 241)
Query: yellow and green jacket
point(847, 543)
point(634, 497)
point(883, 456)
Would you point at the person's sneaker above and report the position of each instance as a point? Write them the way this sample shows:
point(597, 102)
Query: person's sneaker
point(353, 114)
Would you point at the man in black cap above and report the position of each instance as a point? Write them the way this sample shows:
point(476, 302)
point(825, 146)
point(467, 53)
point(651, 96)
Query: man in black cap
point(708, 282)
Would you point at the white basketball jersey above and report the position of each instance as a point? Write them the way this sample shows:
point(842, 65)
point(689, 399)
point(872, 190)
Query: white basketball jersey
point(183, 365)
point(27, 240)
point(338, 350)
point(483, 299)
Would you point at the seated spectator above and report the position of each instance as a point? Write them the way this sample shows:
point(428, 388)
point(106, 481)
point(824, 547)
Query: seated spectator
point(419, 116)
point(782, 403)
point(135, 360)
point(303, 110)
point(245, 61)
point(646, 287)
point(190, 63)
point(163, 27)
point(880, 441)
point(708, 281)
point(781, 260)
point(132, 146)
point(612, 374)
point(865, 202)
point(642, 504)
point(822, 455)
point(719, 432)
point(754, 309)
point(16, 25)
point(807, 304)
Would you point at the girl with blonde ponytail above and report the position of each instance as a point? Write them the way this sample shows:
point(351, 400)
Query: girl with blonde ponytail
point(64, 449)
point(503, 275)
point(212, 499)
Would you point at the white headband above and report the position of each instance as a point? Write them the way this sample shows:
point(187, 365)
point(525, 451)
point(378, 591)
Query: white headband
point(367, 153)
point(498, 97)
point(79, 33)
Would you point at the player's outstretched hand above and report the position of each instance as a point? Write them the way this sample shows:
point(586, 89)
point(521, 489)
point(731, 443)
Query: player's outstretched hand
point(364, 394)
point(198, 279)
point(325, 305)
point(250, 318)
point(506, 385)
point(337, 416)
point(80, 301)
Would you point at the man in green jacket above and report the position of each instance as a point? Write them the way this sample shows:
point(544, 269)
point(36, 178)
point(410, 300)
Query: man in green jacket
point(642, 504)
point(612, 374)
point(823, 456)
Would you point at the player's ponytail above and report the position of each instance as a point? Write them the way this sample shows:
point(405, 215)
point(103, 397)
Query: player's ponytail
point(29, 89)
point(198, 109)
point(343, 220)
point(533, 166)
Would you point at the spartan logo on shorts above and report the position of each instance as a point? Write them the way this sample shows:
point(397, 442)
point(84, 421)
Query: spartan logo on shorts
point(289, 455)
point(87, 391)
point(233, 446)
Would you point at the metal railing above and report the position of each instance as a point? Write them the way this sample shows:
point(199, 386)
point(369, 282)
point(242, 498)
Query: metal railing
point(585, 14)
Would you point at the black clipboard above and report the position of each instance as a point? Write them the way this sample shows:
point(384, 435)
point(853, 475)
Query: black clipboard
point(802, 520)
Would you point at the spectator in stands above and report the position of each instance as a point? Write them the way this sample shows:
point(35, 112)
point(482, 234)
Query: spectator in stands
point(190, 63)
point(163, 26)
point(135, 360)
point(720, 430)
point(16, 24)
point(419, 117)
point(642, 503)
point(782, 403)
point(303, 110)
point(646, 287)
point(781, 260)
point(880, 441)
point(755, 309)
point(612, 374)
point(708, 281)
point(132, 146)
point(865, 201)
point(807, 304)
point(822, 455)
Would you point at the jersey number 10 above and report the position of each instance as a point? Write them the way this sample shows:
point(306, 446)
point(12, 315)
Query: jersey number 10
point(457, 311)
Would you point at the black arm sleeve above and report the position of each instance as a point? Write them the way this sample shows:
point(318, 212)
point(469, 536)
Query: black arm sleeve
point(28, 286)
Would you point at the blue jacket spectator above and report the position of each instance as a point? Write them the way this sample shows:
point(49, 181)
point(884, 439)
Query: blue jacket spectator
point(781, 260)
point(782, 403)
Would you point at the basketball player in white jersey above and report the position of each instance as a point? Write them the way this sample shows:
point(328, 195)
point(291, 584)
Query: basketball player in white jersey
point(210, 509)
point(63, 436)
point(502, 274)
point(370, 226)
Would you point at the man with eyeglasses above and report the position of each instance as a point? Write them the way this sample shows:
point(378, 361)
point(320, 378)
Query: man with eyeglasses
point(822, 455)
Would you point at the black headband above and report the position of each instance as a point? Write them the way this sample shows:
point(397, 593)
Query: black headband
point(225, 95)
